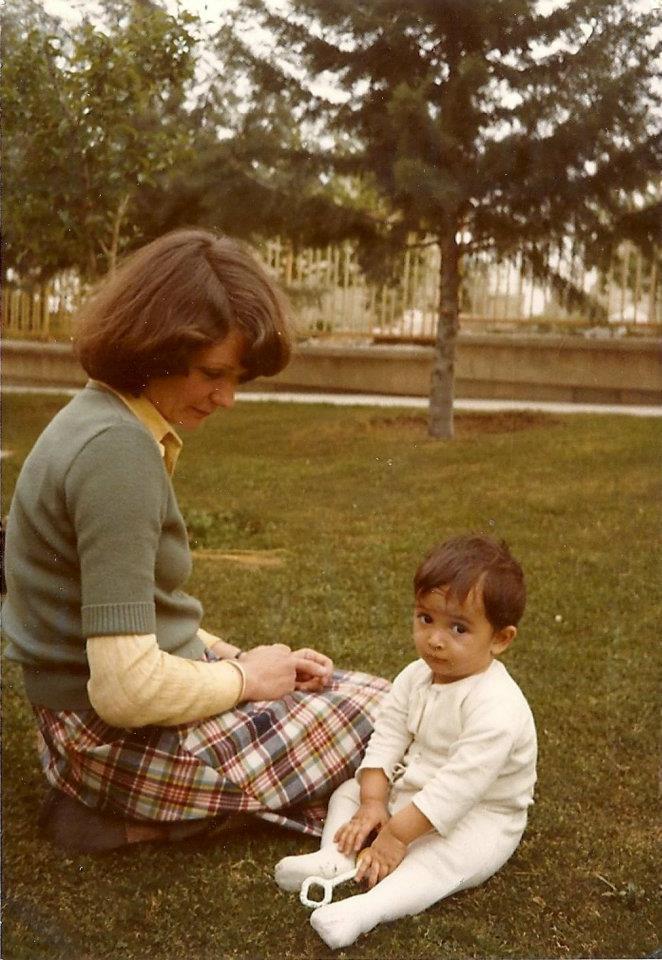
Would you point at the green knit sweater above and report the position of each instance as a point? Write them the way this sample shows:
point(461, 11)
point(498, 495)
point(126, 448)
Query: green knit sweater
point(96, 545)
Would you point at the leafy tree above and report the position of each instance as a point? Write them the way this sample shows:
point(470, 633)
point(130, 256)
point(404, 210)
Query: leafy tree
point(252, 172)
point(93, 116)
point(484, 126)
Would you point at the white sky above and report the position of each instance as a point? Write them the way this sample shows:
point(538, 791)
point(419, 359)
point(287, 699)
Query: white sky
point(71, 10)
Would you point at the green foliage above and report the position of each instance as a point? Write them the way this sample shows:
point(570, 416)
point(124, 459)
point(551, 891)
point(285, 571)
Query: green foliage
point(484, 126)
point(353, 497)
point(93, 116)
point(490, 117)
point(215, 529)
point(488, 126)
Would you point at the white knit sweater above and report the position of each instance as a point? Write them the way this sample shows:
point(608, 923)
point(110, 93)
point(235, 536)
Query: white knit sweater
point(456, 745)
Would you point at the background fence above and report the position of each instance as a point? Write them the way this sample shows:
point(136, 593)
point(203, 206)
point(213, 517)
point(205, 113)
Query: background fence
point(332, 296)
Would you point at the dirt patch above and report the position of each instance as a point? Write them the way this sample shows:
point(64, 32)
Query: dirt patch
point(466, 424)
point(247, 558)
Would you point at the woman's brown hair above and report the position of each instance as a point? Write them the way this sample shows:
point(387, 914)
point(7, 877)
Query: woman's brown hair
point(465, 562)
point(184, 291)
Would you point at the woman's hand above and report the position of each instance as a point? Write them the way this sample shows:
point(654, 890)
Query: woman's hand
point(371, 815)
point(381, 858)
point(313, 669)
point(270, 672)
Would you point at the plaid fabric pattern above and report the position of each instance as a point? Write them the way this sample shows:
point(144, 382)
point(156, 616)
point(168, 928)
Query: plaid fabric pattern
point(279, 760)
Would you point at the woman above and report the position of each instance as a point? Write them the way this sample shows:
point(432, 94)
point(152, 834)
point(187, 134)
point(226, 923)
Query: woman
point(149, 725)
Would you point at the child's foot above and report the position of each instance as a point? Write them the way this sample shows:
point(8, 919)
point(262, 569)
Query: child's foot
point(328, 862)
point(340, 923)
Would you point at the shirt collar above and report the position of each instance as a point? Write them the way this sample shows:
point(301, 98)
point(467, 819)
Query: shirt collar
point(167, 440)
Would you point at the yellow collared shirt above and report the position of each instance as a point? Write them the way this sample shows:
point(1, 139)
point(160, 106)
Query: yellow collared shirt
point(168, 441)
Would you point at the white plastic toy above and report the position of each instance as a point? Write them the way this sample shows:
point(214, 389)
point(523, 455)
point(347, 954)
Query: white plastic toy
point(327, 886)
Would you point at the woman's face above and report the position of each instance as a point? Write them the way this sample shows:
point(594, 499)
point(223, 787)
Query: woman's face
point(185, 400)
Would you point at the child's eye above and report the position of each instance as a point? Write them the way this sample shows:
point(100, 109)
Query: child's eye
point(424, 617)
point(459, 628)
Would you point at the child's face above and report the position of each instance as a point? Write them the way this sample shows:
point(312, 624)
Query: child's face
point(456, 639)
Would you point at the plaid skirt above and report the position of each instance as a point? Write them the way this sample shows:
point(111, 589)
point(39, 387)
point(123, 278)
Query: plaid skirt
point(279, 760)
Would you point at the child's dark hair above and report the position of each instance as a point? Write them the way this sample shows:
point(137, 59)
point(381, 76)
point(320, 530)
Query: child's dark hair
point(462, 562)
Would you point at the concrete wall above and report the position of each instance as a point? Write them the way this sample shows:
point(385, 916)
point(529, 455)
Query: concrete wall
point(500, 366)
point(566, 369)
point(40, 364)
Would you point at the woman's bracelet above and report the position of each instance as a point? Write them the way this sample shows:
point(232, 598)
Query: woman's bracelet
point(242, 673)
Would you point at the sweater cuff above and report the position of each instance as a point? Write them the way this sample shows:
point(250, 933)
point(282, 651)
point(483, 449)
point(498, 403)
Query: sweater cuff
point(442, 824)
point(388, 769)
point(118, 619)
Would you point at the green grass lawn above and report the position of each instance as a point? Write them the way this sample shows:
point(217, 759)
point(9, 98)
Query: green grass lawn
point(347, 499)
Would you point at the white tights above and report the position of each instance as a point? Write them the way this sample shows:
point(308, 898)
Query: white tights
point(434, 867)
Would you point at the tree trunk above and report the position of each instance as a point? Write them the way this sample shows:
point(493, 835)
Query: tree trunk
point(442, 384)
point(112, 251)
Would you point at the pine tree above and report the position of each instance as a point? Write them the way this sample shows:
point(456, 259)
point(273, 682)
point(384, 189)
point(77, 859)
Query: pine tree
point(483, 124)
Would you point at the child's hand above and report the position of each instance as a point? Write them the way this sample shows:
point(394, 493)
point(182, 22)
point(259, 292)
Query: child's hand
point(381, 858)
point(314, 670)
point(371, 815)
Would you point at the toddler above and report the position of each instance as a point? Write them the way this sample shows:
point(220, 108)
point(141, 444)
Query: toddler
point(449, 771)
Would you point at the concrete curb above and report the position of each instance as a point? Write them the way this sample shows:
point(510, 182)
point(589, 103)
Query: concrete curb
point(412, 403)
